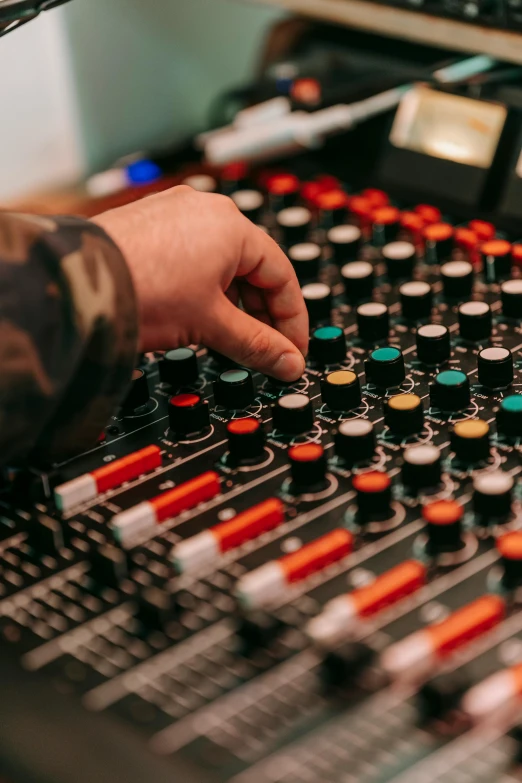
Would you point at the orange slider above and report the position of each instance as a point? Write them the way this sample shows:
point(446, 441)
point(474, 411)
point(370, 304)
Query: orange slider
point(271, 583)
point(206, 547)
point(144, 517)
point(341, 616)
point(110, 476)
point(419, 653)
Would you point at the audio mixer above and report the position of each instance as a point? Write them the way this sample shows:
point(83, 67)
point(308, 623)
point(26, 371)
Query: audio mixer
point(309, 582)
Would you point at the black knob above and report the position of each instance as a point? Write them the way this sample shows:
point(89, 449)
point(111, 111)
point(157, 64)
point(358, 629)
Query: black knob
point(156, 608)
point(257, 631)
point(225, 362)
point(179, 367)
point(400, 258)
point(328, 345)
point(233, 177)
point(421, 466)
point(438, 242)
point(344, 666)
point(475, 321)
point(416, 300)
point(509, 547)
point(283, 190)
point(333, 205)
point(305, 258)
point(373, 322)
point(457, 280)
point(437, 699)
point(246, 440)
point(492, 496)
point(511, 296)
point(450, 391)
point(354, 441)
point(249, 202)
point(403, 414)
point(509, 416)
point(45, 534)
point(308, 466)
point(495, 368)
point(108, 565)
point(433, 344)
point(234, 389)
point(358, 279)
point(385, 367)
point(280, 385)
point(318, 301)
point(482, 229)
point(138, 393)
point(345, 241)
point(341, 390)
point(443, 526)
point(293, 414)
point(294, 223)
point(386, 225)
point(470, 440)
point(188, 414)
point(496, 260)
point(373, 496)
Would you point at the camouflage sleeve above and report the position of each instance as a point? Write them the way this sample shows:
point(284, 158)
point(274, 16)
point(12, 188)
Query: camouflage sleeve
point(68, 335)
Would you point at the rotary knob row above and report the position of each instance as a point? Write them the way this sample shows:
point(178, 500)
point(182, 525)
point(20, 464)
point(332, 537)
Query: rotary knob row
point(494, 365)
point(492, 496)
point(457, 283)
point(341, 391)
point(293, 415)
point(474, 317)
point(385, 368)
point(189, 416)
point(372, 317)
point(416, 297)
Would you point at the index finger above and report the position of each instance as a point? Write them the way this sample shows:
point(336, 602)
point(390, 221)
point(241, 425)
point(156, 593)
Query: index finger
point(264, 265)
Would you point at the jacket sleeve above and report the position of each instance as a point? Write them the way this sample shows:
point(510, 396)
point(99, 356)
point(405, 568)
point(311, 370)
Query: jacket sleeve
point(68, 335)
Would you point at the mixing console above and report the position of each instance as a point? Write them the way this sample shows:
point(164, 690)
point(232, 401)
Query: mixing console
point(310, 582)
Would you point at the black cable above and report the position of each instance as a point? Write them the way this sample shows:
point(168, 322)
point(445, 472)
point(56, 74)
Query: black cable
point(15, 13)
point(15, 25)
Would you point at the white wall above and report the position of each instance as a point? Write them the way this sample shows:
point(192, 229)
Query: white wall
point(40, 143)
point(147, 70)
point(95, 79)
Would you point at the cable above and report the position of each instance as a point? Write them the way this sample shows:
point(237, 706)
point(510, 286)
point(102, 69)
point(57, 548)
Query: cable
point(292, 131)
point(15, 25)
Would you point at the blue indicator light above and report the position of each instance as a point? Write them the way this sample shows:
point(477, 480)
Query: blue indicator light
point(143, 172)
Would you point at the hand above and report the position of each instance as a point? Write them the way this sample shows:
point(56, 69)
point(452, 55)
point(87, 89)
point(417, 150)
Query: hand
point(193, 257)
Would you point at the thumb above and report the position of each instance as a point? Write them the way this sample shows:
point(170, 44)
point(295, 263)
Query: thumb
point(253, 343)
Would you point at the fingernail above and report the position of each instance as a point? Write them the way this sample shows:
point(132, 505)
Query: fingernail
point(289, 367)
